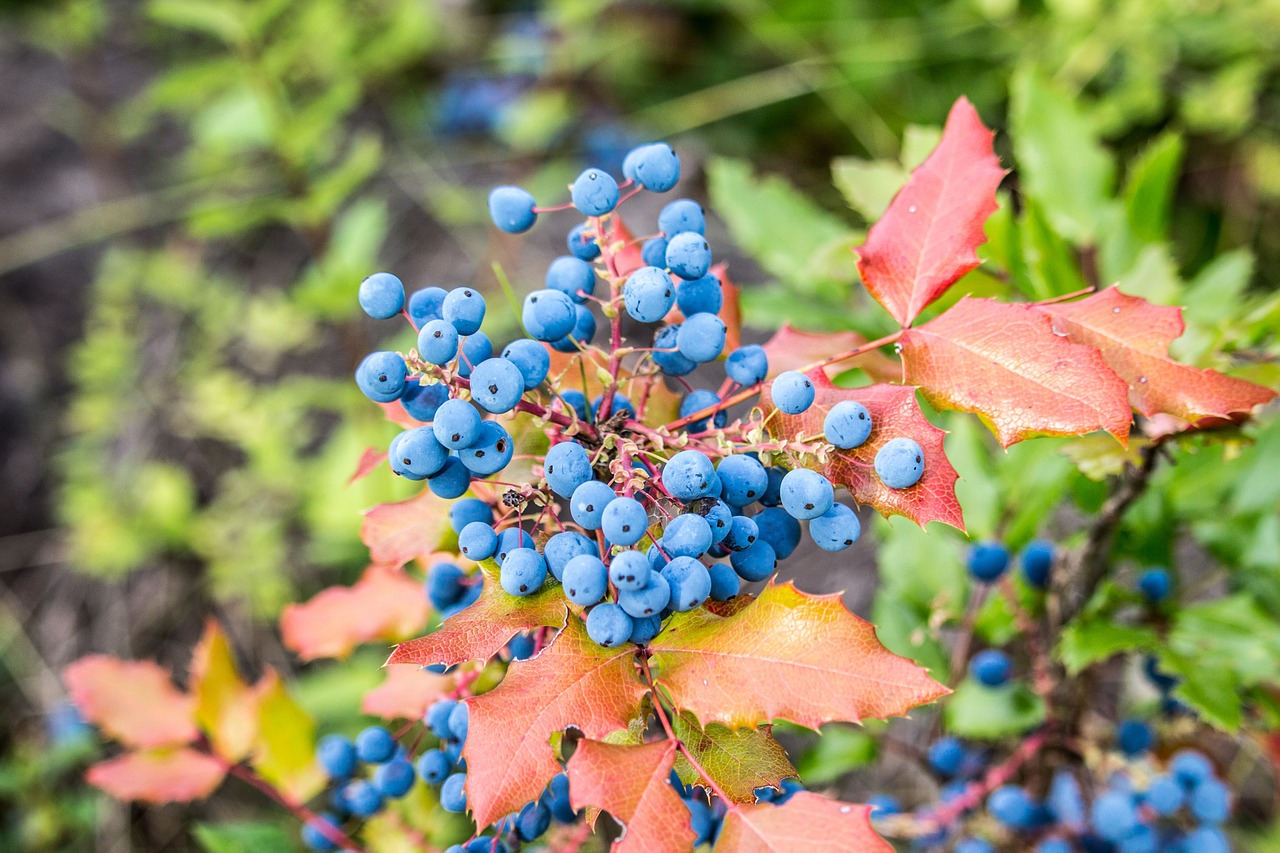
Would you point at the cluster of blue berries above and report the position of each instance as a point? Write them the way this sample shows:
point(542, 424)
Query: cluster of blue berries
point(389, 775)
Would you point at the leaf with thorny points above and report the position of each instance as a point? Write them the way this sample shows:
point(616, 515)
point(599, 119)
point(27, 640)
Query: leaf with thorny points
point(159, 775)
point(1004, 363)
point(806, 822)
point(737, 760)
point(385, 604)
point(396, 533)
point(789, 656)
point(406, 693)
point(793, 349)
point(481, 630)
point(572, 683)
point(894, 412)
point(633, 784)
point(1133, 336)
point(134, 702)
point(928, 237)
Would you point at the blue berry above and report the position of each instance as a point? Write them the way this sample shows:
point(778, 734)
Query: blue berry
point(719, 517)
point(742, 533)
point(523, 572)
point(792, 392)
point(608, 625)
point(1037, 560)
point(425, 304)
point(434, 767)
point(1134, 737)
point(973, 845)
point(467, 510)
point(1191, 768)
point(594, 193)
point(475, 349)
point(563, 547)
point(683, 214)
point(701, 820)
point(629, 571)
point(491, 452)
point(1211, 802)
point(883, 805)
point(689, 582)
point(478, 541)
point(1054, 845)
point(314, 838)
point(437, 718)
point(1066, 803)
point(381, 376)
point(451, 481)
point(688, 475)
point(459, 722)
point(649, 600)
point(1165, 795)
point(381, 296)
point(988, 561)
point(584, 329)
point(422, 401)
point(375, 745)
point(533, 822)
point(464, 308)
point(571, 276)
point(586, 580)
point(688, 255)
point(521, 646)
point(696, 401)
point(725, 582)
point(773, 492)
point(531, 359)
point(1154, 585)
point(438, 342)
point(946, 755)
point(836, 529)
point(566, 467)
point(747, 365)
point(457, 424)
point(583, 247)
point(395, 778)
point(701, 337)
point(645, 629)
point(1206, 839)
point(900, 463)
point(1113, 816)
point(497, 385)
point(667, 354)
point(415, 453)
point(700, 296)
point(445, 584)
point(625, 521)
point(648, 294)
point(511, 539)
point(337, 756)
point(991, 667)
point(511, 209)
point(756, 562)
point(1012, 806)
point(777, 527)
point(655, 167)
point(363, 798)
point(453, 795)
point(847, 424)
point(686, 535)
point(806, 494)
point(548, 315)
point(654, 252)
point(588, 503)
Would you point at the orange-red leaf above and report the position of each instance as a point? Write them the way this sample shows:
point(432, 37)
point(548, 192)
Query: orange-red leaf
point(134, 702)
point(632, 783)
point(1134, 337)
point(396, 533)
point(806, 822)
point(406, 693)
point(1004, 363)
point(792, 349)
point(385, 604)
point(789, 656)
point(894, 412)
point(928, 237)
point(480, 631)
point(226, 707)
point(158, 776)
point(370, 460)
point(573, 682)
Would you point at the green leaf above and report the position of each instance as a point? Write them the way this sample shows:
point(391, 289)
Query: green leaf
point(1089, 640)
point(904, 629)
point(1149, 186)
point(867, 185)
point(988, 713)
point(244, 837)
point(739, 760)
point(285, 751)
point(221, 20)
point(839, 750)
point(1061, 163)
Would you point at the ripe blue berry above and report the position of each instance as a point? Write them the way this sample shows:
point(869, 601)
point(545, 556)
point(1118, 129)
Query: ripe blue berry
point(491, 452)
point(533, 821)
point(571, 276)
point(649, 600)
point(836, 529)
point(475, 349)
point(883, 805)
point(422, 401)
point(337, 755)
point(1012, 806)
point(523, 572)
point(742, 533)
point(655, 167)
point(688, 255)
point(381, 376)
point(425, 304)
point(457, 424)
point(464, 308)
point(584, 329)
point(608, 625)
point(415, 453)
point(453, 795)
point(588, 503)
point(1211, 802)
point(688, 475)
point(946, 755)
point(625, 521)
point(586, 580)
point(363, 798)
point(900, 463)
point(381, 296)
point(806, 494)
point(1134, 737)
point(478, 541)
point(696, 401)
point(594, 192)
point(973, 845)
point(548, 315)
point(563, 547)
point(451, 481)
point(847, 425)
point(583, 247)
point(645, 629)
point(497, 385)
point(701, 337)
point(629, 571)
point(395, 778)
point(375, 745)
point(1113, 816)
point(792, 392)
point(1037, 560)
point(725, 582)
point(313, 836)
point(700, 296)
point(1191, 768)
point(988, 561)
point(1206, 839)
point(719, 517)
point(511, 209)
point(438, 342)
point(1154, 585)
point(777, 527)
point(566, 467)
point(747, 365)
point(667, 355)
point(654, 252)
point(648, 294)
point(445, 584)
point(686, 535)
point(437, 718)
point(459, 722)
point(511, 539)
point(991, 667)
point(1165, 795)
point(434, 767)
point(683, 214)
point(689, 582)
point(531, 359)
point(756, 562)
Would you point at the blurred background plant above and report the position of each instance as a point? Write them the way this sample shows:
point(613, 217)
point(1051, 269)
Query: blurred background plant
point(192, 188)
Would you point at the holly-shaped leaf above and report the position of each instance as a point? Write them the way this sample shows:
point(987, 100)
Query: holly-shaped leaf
point(284, 753)
point(737, 760)
point(633, 784)
point(806, 822)
point(573, 682)
point(159, 775)
point(793, 349)
point(396, 533)
point(134, 702)
point(1005, 363)
point(1134, 337)
point(385, 604)
point(894, 412)
point(789, 656)
point(226, 707)
point(481, 630)
point(406, 693)
point(929, 235)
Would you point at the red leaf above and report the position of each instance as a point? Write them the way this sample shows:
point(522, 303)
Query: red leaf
point(894, 412)
point(406, 693)
point(792, 349)
point(790, 656)
point(396, 533)
point(632, 783)
point(159, 776)
point(480, 631)
point(1134, 337)
point(370, 460)
point(927, 238)
point(806, 822)
point(1005, 363)
point(398, 416)
point(573, 682)
point(133, 701)
point(385, 604)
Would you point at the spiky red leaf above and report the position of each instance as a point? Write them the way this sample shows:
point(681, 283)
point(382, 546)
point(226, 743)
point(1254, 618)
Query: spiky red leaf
point(806, 822)
point(396, 533)
point(135, 702)
point(385, 604)
point(406, 693)
point(632, 783)
point(158, 776)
